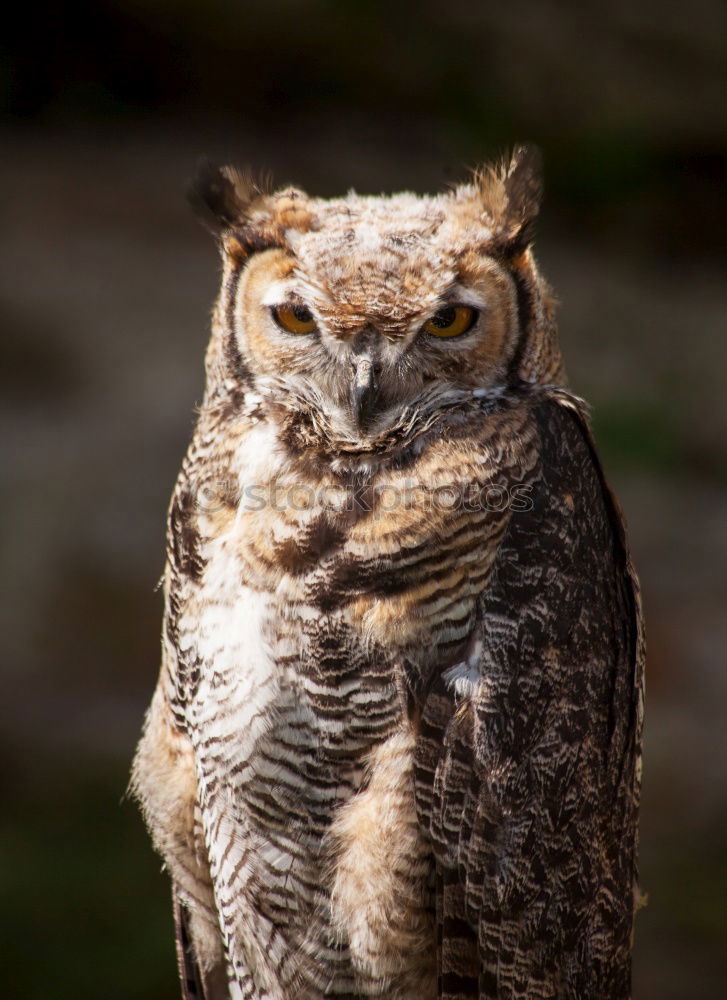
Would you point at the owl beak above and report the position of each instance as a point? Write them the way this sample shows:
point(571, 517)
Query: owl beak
point(363, 389)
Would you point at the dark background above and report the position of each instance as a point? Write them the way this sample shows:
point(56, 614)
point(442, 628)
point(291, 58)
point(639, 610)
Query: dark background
point(105, 293)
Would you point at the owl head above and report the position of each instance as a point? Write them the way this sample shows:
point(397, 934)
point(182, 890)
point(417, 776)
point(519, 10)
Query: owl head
point(366, 311)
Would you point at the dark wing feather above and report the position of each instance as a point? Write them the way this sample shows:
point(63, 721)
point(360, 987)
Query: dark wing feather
point(190, 979)
point(528, 789)
point(194, 985)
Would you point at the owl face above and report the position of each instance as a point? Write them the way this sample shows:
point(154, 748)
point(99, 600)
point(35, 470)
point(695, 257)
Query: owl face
point(363, 307)
point(368, 320)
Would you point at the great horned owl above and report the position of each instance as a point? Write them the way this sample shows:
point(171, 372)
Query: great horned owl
point(394, 748)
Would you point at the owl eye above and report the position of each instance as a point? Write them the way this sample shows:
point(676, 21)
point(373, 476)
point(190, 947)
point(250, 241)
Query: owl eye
point(451, 321)
point(294, 319)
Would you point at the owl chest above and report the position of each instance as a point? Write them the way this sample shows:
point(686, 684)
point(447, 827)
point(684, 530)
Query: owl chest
point(344, 579)
point(294, 672)
point(279, 660)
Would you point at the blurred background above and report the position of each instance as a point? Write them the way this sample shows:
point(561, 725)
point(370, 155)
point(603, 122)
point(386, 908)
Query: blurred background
point(105, 293)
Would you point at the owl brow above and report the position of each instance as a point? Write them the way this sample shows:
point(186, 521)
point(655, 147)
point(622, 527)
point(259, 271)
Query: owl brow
point(461, 295)
point(457, 293)
point(283, 293)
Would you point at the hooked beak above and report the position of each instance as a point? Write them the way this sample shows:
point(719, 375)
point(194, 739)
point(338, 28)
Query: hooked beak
point(363, 389)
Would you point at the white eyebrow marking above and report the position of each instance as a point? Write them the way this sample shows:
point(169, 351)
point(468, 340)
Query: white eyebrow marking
point(461, 295)
point(277, 293)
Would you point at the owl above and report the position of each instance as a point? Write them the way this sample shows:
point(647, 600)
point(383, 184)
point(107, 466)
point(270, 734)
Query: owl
point(394, 749)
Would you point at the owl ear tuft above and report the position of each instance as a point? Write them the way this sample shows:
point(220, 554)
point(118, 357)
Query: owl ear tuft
point(511, 193)
point(222, 196)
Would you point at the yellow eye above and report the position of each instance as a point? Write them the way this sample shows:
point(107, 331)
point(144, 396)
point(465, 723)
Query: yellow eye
point(451, 321)
point(294, 319)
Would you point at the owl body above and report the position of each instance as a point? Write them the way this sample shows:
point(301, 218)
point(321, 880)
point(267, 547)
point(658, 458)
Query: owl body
point(393, 750)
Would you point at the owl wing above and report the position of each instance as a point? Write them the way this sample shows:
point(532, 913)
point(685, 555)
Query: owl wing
point(527, 781)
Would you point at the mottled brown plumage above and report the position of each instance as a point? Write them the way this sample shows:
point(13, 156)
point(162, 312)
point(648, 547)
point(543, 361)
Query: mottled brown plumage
point(394, 749)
